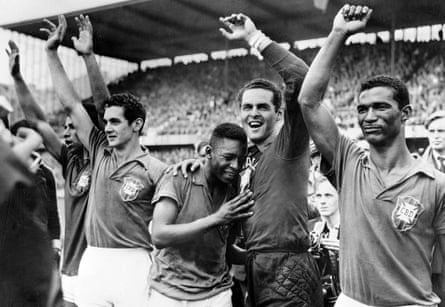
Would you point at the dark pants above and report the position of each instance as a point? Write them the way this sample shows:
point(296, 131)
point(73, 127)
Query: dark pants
point(439, 287)
point(283, 279)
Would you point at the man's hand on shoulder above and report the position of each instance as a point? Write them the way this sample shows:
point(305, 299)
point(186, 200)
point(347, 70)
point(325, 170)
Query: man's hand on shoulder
point(184, 167)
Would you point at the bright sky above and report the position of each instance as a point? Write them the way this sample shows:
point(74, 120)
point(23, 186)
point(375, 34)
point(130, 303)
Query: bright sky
point(17, 11)
point(22, 10)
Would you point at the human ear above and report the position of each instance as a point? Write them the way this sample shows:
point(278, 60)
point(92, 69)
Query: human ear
point(406, 112)
point(137, 124)
point(208, 151)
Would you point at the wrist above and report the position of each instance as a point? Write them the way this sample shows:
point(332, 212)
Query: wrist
point(258, 40)
point(51, 51)
point(17, 76)
point(339, 32)
point(251, 36)
point(214, 220)
point(88, 56)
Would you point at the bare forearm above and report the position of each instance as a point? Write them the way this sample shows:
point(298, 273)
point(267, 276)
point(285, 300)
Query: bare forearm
point(62, 85)
point(98, 87)
point(30, 108)
point(176, 234)
point(319, 73)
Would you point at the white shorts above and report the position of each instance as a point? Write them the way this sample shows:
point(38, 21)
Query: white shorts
point(69, 288)
point(113, 277)
point(223, 299)
point(346, 301)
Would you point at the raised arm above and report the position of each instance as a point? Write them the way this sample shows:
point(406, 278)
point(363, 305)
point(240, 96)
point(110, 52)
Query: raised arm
point(84, 46)
point(321, 125)
point(291, 68)
point(32, 111)
point(62, 85)
point(29, 106)
point(166, 233)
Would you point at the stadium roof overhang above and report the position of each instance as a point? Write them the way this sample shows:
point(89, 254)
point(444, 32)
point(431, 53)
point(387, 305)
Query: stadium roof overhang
point(143, 30)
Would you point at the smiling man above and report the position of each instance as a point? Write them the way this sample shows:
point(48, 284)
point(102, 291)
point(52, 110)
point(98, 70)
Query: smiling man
point(115, 265)
point(280, 270)
point(391, 204)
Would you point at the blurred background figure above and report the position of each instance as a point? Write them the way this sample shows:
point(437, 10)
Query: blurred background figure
point(325, 238)
point(27, 264)
point(435, 155)
point(47, 214)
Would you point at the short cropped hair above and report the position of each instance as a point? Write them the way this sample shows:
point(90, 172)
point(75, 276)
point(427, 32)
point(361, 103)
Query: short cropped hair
point(229, 131)
point(133, 109)
point(434, 116)
point(266, 85)
point(400, 91)
point(22, 123)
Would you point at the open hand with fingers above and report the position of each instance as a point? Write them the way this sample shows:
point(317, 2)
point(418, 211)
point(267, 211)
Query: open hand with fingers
point(55, 33)
point(14, 59)
point(240, 26)
point(84, 43)
point(351, 18)
point(235, 209)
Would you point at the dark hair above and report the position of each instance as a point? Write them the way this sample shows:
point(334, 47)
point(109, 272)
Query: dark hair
point(22, 123)
point(133, 109)
point(400, 91)
point(92, 112)
point(229, 131)
point(263, 84)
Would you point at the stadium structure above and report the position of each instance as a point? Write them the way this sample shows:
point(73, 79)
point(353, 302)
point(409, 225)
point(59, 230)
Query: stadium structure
point(142, 36)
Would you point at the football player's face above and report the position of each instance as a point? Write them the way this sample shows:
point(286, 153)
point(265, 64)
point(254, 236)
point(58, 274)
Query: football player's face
point(226, 159)
point(379, 115)
point(118, 130)
point(258, 114)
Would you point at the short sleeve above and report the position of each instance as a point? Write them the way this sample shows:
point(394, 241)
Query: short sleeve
point(155, 169)
point(439, 220)
point(97, 142)
point(168, 186)
point(346, 151)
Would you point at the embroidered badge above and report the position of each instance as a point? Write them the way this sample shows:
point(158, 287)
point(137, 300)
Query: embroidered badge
point(84, 181)
point(406, 213)
point(130, 189)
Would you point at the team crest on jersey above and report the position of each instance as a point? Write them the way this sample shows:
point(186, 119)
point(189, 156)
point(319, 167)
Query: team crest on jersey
point(84, 181)
point(406, 213)
point(130, 189)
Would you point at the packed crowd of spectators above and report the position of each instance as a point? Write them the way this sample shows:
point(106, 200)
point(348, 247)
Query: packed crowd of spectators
point(190, 99)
